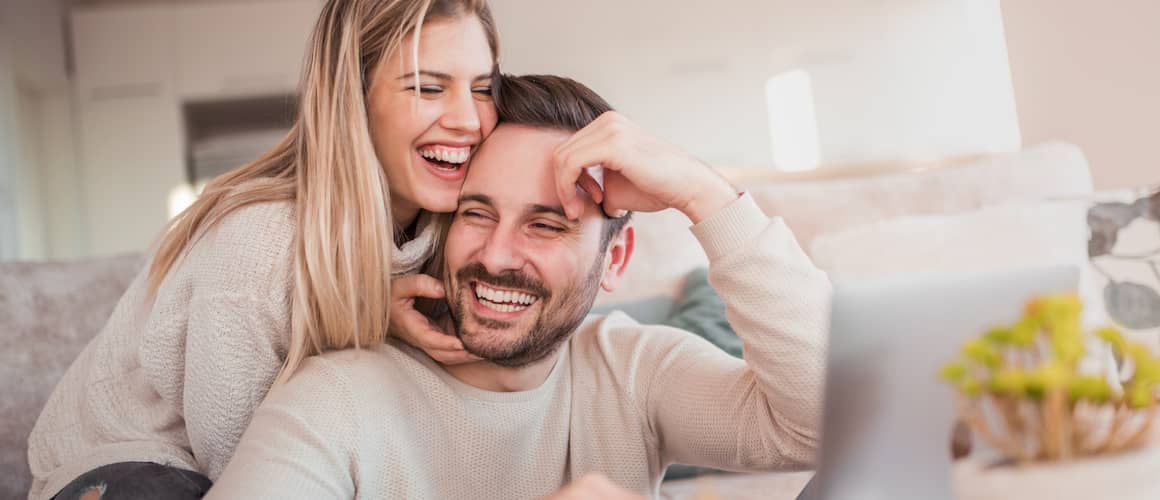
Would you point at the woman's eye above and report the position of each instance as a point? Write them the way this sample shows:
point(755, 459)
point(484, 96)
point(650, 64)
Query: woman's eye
point(427, 89)
point(482, 91)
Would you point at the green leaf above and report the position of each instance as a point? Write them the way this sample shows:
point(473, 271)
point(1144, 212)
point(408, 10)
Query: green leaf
point(1091, 388)
point(982, 352)
point(953, 372)
point(1010, 381)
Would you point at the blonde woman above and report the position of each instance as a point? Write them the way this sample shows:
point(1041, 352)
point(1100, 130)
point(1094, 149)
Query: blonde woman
point(286, 257)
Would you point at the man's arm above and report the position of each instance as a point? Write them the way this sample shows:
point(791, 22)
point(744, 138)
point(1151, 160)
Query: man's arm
point(704, 407)
point(300, 443)
point(709, 409)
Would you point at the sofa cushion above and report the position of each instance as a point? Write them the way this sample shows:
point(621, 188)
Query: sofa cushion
point(666, 250)
point(48, 313)
point(993, 239)
point(1048, 171)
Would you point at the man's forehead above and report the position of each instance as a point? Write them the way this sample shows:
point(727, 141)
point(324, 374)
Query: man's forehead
point(515, 155)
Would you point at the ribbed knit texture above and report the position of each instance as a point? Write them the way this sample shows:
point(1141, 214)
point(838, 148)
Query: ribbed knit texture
point(176, 381)
point(623, 399)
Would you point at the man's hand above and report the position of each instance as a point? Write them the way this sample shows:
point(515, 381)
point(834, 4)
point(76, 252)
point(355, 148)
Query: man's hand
point(641, 172)
point(592, 487)
point(412, 327)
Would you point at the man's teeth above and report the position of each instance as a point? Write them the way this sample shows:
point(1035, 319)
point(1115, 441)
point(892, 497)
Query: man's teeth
point(444, 154)
point(503, 301)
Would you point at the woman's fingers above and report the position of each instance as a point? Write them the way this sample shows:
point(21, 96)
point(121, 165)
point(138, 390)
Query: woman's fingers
point(412, 327)
point(415, 329)
point(417, 285)
point(454, 357)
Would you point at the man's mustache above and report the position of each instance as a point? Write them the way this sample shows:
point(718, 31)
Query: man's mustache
point(511, 279)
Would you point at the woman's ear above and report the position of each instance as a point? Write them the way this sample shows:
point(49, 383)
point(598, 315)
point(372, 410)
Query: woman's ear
point(617, 256)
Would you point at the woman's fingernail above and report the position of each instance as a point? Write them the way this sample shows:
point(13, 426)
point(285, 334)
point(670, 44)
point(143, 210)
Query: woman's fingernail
point(621, 213)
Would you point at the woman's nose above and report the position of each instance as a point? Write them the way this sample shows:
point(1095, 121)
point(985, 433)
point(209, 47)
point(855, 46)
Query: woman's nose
point(461, 114)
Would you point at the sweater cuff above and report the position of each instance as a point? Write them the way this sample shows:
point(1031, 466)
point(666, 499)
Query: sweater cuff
point(731, 227)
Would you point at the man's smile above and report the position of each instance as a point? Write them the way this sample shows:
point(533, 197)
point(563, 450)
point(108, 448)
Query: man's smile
point(501, 303)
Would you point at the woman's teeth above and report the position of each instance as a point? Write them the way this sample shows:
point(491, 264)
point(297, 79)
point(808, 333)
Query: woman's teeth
point(447, 155)
point(503, 301)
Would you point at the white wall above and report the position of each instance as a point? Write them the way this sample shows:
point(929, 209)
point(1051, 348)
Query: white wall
point(1088, 73)
point(892, 78)
point(9, 229)
point(37, 140)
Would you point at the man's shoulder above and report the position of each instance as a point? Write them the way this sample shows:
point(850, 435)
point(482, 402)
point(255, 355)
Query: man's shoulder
point(358, 364)
point(619, 341)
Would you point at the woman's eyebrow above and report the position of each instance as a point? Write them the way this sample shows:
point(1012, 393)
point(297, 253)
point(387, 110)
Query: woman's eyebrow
point(432, 74)
point(442, 76)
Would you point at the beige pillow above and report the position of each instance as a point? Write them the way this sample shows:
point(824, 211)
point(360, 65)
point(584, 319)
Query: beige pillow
point(993, 239)
point(813, 208)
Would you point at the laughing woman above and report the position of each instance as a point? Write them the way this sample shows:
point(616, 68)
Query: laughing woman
point(286, 257)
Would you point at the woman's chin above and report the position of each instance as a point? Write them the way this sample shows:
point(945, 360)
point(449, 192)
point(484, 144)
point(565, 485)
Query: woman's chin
point(441, 200)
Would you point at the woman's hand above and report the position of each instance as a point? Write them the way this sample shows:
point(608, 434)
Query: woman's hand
point(591, 487)
point(641, 172)
point(412, 327)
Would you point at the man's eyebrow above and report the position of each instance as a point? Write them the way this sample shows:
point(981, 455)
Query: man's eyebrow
point(442, 76)
point(553, 209)
point(478, 198)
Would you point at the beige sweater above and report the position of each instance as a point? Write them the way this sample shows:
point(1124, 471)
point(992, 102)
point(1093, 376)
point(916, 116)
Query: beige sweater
point(175, 381)
point(623, 399)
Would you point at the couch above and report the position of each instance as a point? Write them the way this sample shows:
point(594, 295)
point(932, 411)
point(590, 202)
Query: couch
point(48, 311)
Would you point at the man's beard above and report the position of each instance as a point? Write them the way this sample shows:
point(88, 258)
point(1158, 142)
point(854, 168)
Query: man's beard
point(556, 321)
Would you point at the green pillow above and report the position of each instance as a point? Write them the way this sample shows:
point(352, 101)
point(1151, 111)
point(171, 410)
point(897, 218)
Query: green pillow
point(701, 311)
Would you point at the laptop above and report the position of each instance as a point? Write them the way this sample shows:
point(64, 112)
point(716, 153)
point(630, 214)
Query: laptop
point(888, 417)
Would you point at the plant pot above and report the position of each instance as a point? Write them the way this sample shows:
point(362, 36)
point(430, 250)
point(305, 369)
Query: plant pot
point(1130, 475)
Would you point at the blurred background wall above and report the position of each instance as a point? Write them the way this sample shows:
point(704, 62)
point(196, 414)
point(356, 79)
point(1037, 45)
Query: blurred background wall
point(111, 111)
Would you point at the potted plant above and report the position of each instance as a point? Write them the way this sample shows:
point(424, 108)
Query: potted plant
point(1068, 413)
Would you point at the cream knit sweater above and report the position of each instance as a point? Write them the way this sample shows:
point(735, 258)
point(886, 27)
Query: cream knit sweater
point(622, 399)
point(175, 381)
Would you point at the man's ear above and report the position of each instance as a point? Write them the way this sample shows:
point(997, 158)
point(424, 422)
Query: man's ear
point(617, 256)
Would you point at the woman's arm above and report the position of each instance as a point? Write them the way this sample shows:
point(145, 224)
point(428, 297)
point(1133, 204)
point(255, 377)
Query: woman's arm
point(301, 443)
point(232, 358)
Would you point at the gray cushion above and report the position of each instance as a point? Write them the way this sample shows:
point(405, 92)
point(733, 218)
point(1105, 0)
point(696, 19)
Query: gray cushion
point(48, 313)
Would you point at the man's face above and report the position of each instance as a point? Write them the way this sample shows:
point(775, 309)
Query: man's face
point(520, 277)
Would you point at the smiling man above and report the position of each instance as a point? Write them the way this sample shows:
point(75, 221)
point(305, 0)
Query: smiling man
point(560, 394)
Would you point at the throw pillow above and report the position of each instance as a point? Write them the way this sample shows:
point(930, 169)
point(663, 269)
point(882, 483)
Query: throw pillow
point(1124, 249)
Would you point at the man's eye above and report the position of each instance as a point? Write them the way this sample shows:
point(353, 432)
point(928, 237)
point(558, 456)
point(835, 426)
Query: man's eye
point(471, 214)
point(548, 227)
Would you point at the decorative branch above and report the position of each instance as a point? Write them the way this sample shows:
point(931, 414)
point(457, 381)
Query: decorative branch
point(1027, 377)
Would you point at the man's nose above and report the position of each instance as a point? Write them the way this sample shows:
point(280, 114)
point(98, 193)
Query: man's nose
point(501, 252)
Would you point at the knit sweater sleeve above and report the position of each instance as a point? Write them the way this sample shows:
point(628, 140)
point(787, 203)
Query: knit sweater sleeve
point(302, 442)
point(238, 328)
point(709, 409)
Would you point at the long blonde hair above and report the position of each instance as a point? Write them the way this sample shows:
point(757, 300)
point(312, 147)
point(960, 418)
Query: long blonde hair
point(326, 165)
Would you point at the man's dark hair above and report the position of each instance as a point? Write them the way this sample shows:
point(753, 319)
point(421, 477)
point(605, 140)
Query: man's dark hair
point(556, 102)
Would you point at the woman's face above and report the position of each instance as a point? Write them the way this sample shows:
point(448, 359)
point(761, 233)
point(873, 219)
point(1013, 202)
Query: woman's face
point(423, 143)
